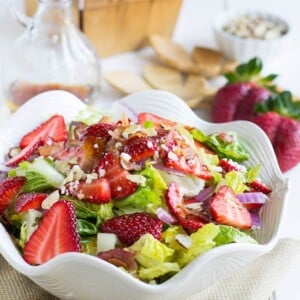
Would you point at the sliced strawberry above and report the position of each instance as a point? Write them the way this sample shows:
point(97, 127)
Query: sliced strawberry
point(54, 129)
point(24, 154)
point(178, 155)
point(98, 191)
point(227, 209)
point(174, 199)
point(28, 201)
point(156, 120)
point(99, 130)
point(119, 184)
point(129, 228)
point(56, 234)
point(9, 188)
point(67, 154)
point(258, 186)
point(187, 161)
point(140, 148)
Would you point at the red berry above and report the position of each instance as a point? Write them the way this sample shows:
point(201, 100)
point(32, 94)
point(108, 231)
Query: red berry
point(9, 188)
point(174, 199)
point(140, 148)
point(98, 191)
point(54, 129)
point(56, 234)
point(226, 209)
point(129, 228)
point(120, 186)
point(28, 201)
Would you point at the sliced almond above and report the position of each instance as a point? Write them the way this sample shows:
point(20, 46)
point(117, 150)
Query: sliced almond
point(168, 79)
point(172, 54)
point(208, 61)
point(126, 82)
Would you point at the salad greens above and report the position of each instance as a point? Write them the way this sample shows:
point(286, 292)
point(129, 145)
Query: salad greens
point(154, 194)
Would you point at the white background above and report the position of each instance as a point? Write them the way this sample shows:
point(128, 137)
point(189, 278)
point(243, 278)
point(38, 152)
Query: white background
point(194, 27)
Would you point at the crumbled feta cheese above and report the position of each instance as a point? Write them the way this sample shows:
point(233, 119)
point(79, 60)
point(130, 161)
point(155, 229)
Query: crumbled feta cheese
point(172, 156)
point(101, 172)
point(75, 174)
point(91, 177)
point(139, 179)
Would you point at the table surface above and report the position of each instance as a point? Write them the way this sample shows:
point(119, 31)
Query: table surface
point(194, 27)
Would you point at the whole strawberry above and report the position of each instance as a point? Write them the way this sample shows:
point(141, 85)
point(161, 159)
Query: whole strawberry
point(129, 228)
point(279, 117)
point(237, 99)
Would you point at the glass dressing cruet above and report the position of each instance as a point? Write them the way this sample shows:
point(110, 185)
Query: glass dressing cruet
point(51, 54)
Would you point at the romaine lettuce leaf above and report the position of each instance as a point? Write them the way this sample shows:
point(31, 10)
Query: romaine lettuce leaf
point(89, 245)
point(224, 149)
point(154, 179)
point(95, 213)
point(202, 241)
point(40, 175)
point(150, 251)
point(229, 234)
point(156, 271)
point(141, 198)
point(89, 115)
point(236, 181)
point(252, 173)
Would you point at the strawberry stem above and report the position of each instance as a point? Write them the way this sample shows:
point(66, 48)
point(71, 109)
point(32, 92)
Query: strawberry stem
point(250, 72)
point(281, 103)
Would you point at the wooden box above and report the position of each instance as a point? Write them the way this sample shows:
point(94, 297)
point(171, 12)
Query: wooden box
point(115, 26)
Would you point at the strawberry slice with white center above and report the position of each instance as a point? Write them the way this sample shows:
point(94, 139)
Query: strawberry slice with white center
point(28, 201)
point(228, 210)
point(174, 198)
point(54, 129)
point(120, 186)
point(56, 234)
point(24, 154)
point(97, 191)
point(140, 148)
point(181, 157)
point(9, 188)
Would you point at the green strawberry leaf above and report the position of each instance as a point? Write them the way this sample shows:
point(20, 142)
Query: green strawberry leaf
point(250, 72)
point(281, 103)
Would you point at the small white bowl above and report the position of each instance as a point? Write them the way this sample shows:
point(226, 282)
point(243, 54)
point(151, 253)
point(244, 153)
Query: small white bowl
point(243, 49)
point(81, 276)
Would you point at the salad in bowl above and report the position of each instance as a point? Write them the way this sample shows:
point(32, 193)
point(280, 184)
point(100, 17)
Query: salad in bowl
point(133, 196)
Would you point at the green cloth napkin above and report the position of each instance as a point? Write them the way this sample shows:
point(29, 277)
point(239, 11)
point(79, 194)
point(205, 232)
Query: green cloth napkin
point(255, 281)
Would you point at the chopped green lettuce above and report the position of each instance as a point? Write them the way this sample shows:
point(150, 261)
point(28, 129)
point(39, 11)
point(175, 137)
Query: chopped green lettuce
point(202, 241)
point(89, 245)
point(95, 213)
point(156, 271)
point(252, 173)
point(169, 237)
point(236, 181)
point(229, 234)
point(89, 115)
point(223, 148)
point(40, 175)
point(154, 179)
point(154, 258)
point(85, 227)
point(141, 198)
point(150, 251)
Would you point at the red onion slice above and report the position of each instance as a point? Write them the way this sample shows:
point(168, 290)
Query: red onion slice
point(255, 220)
point(252, 201)
point(165, 216)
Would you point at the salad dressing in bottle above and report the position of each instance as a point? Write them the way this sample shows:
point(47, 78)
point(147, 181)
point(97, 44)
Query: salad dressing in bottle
point(51, 54)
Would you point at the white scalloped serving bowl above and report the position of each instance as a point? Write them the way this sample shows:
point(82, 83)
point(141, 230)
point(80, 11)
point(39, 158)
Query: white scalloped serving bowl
point(80, 276)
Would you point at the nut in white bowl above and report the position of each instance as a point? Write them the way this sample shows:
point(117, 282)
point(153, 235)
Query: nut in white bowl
point(81, 276)
point(240, 44)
